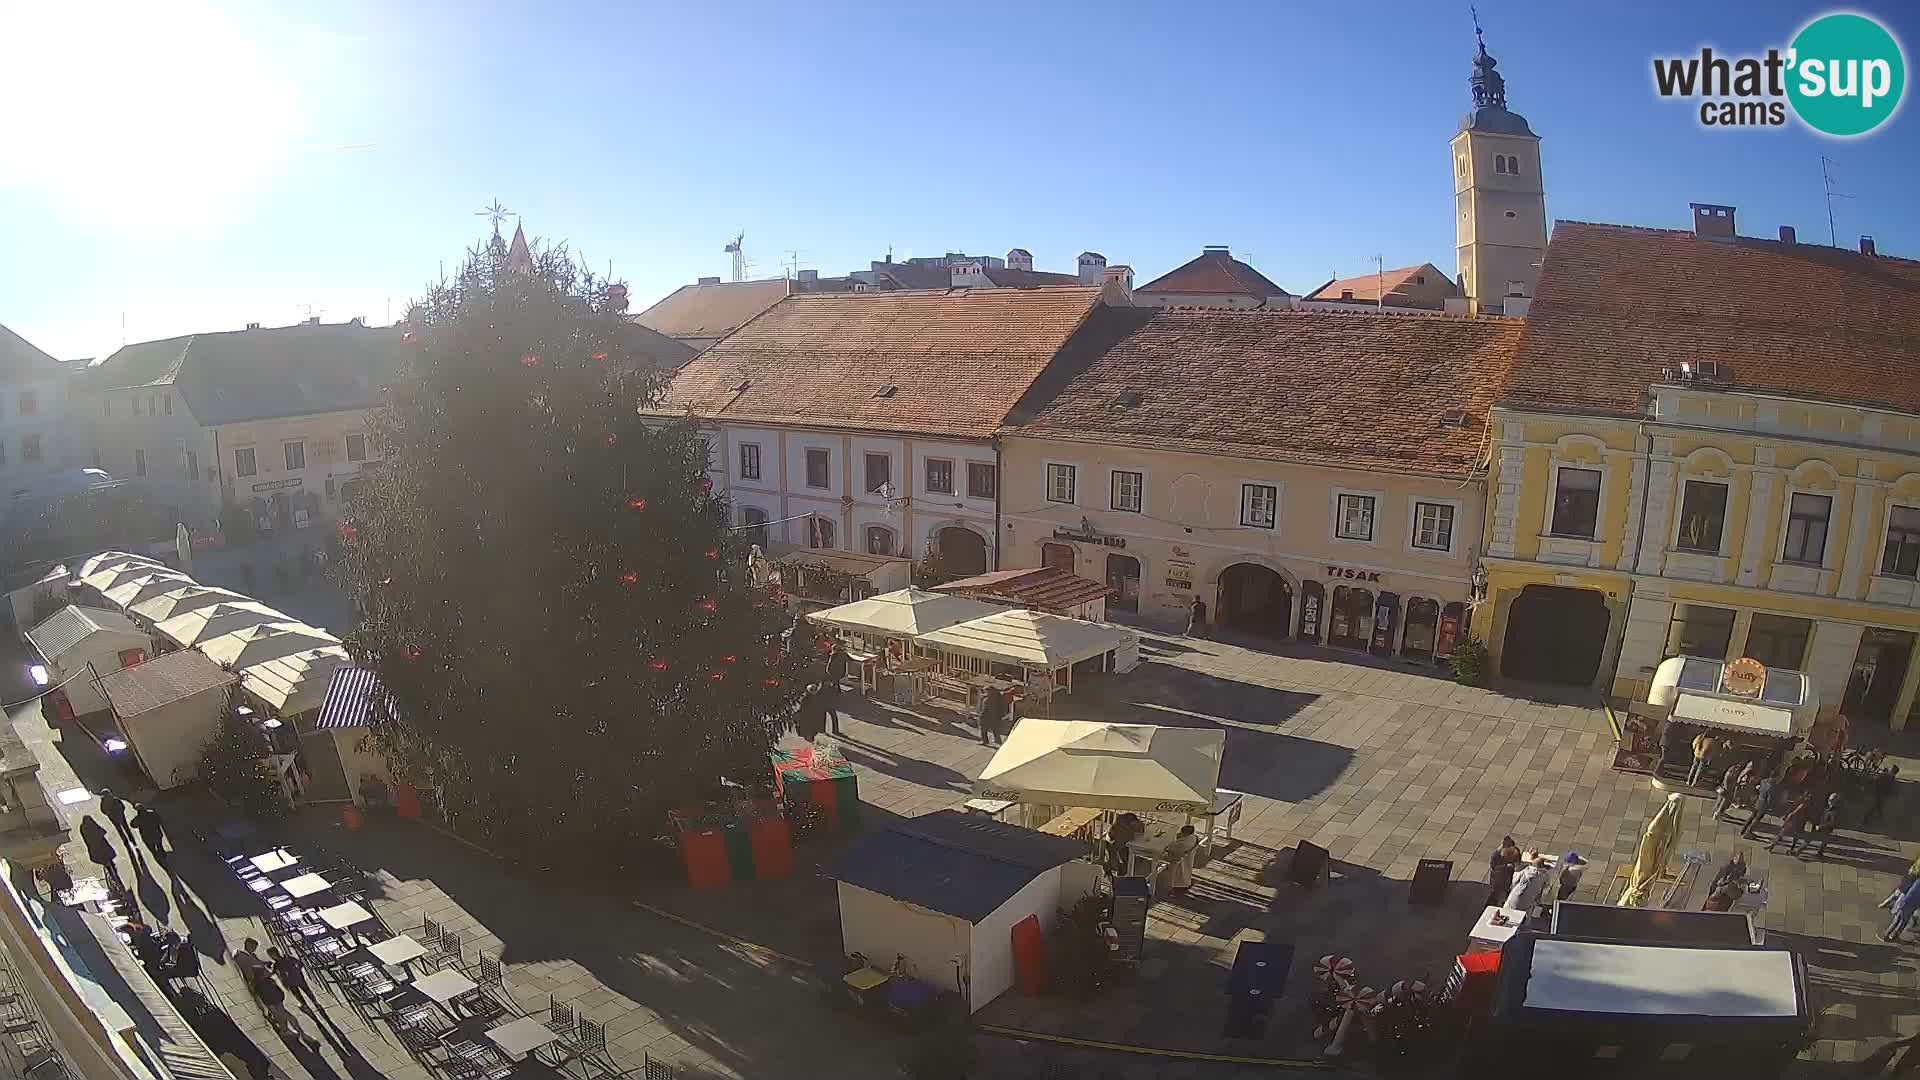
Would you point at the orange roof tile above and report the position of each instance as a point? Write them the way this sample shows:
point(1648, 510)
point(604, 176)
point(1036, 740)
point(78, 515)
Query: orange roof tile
point(1370, 287)
point(957, 360)
point(1361, 389)
point(1616, 304)
point(1215, 271)
point(711, 311)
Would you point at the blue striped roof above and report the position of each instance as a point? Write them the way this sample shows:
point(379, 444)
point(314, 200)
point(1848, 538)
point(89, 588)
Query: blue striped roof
point(349, 701)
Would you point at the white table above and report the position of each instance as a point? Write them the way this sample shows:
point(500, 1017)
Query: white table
point(343, 916)
point(397, 950)
point(274, 860)
point(305, 885)
point(444, 986)
point(1486, 937)
point(522, 1037)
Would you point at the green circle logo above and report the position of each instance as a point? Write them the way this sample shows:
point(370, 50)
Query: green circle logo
point(1846, 75)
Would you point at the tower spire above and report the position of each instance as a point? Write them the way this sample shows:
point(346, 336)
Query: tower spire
point(1489, 86)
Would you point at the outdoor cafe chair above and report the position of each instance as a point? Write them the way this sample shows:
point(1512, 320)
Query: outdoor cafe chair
point(560, 1020)
point(491, 975)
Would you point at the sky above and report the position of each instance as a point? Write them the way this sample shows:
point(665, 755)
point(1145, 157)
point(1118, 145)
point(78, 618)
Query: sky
point(198, 165)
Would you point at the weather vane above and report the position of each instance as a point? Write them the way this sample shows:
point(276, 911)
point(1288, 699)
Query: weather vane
point(495, 212)
point(1475, 12)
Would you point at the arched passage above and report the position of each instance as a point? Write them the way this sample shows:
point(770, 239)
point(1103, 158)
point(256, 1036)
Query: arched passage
point(1255, 599)
point(1555, 634)
point(962, 550)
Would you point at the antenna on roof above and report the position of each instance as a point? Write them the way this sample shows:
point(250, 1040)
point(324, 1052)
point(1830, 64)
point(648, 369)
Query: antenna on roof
point(736, 248)
point(1379, 266)
point(1826, 180)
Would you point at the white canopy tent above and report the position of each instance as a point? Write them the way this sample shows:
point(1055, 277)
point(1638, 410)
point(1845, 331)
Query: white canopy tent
point(214, 620)
point(1037, 640)
point(131, 590)
point(264, 642)
point(295, 683)
point(108, 558)
point(109, 574)
point(1110, 766)
point(907, 613)
point(182, 600)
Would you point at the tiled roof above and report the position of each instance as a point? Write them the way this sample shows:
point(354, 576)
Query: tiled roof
point(1370, 287)
point(1214, 272)
point(960, 864)
point(73, 624)
point(1030, 279)
point(957, 360)
point(1615, 305)
point(21, 358)
point(162, 681)
point(1046, 587)
point(712, 311)
point(915, 275)
point(1360, 389)
point(243, 375)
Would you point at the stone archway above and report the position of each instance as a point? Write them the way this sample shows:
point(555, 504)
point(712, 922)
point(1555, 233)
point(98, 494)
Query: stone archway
point(1256, 599)
point(962, 551)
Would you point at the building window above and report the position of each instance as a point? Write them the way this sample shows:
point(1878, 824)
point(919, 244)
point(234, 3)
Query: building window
point(983, 480)
point(139, 463)
point(1807, 528)
point(819, 531)
point(879, 540)
point(1433, 526)
point(168, 400)
point(754, 524)
point(879, 471)
point(296, 455)
point(1128, 489)
point(356, 447)
point(819, 468)
point(1500, 163)
point(1902, 558)
point(1703, 516)
point(1576, 503)
point(193, 467)
point(29, 403)
point(330, 489)
point(1698, 630)
point(749, 461)
point(1354, 519)
point(1060, 483)
point(29, 448)
point(244, 463)
point(1779, 641)
point(1259, 505)
point(939, 476)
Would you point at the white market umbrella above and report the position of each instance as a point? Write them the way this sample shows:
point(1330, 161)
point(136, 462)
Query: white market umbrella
point(297, 682)
point(108, 558)
point(1031, 639)
point(261, 642)
point(1111, 766)
point(132, 590)
point(182, 600)
point(903, 613)
point(1655, 845)
point(107, 575)
point(214, 620)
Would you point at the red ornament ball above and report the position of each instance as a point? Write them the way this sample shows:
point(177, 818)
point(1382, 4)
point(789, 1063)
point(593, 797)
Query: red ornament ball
point(659, 663)
point(601, 355)
point(610, 439)
point(772, 681)
point(712, 553)
point(716, 676)
point(637, 502)
point(729, 658)
point(411, 652)
point(630, 579)
point(708, 604)
point(705, 484)
point(348, 530)
point(530, 360)
point(775, 656)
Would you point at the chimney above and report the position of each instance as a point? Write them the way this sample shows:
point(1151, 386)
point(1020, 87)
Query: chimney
point(1020, 259)
point(313, 320)
point(1216, 249)
point(1713, 222)
point(1866, 244)
point(1093, 268)
point(1121, 273)
point(709, 281)
point(808, 277)
point(1786, 234)
point(253, 326)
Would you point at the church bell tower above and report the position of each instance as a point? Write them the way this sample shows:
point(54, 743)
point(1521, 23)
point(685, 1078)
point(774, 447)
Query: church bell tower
point(1500, 201)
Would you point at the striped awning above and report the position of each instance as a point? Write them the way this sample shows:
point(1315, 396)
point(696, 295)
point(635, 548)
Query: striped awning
point(350, 697)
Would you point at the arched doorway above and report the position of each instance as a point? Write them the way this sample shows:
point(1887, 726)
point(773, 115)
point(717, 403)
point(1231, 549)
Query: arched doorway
point(1256, 599)
point(962, 550)
point(1555, 634)
point(1423, 628)
point(1123, 583)
point(1350, 622)
point(1058, 557)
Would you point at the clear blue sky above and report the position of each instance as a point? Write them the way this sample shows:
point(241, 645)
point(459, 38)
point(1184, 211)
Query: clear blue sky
point(196, 166)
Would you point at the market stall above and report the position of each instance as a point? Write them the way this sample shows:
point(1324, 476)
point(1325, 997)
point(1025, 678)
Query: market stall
point(257, 644)
point(1753, 710)
point(1040, 588)
point(181, 600)
point(901, 615)
point(109, 573)
point(130, 590)
point(207, 623)
point(1026, 644)
point(80, 645)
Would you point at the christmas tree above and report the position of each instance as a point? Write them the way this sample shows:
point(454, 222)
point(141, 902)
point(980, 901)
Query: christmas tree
point(547, 586)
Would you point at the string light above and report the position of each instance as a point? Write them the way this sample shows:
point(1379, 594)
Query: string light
point(630, 579)
point(659, 663)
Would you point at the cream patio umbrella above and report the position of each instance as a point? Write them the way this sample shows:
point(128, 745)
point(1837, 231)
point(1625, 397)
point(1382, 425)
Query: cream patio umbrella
point(214, 620)
point(109, 574)
point(1110, 766)
point(1655, 845)
point(108, 558)
point(262, 642)
point(906, 613)
point(182, 600)
point(297, 682)
point(131, 590)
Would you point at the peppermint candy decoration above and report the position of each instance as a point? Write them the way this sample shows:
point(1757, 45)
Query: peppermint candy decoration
point(1334, 971)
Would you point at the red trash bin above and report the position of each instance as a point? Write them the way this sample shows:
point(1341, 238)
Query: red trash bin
point(705, 852)
point(1030, 955)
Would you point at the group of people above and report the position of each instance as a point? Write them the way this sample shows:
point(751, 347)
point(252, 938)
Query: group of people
point(819, 708)
point(1180, 852)
point(271, 979)
point(144, 820)
point(1519, 880)
point(1803, 793)
point(996, 714)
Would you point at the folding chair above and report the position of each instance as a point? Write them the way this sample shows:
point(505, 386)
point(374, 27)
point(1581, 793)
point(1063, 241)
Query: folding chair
point(657, 1070)
point(560, 1020)
point(592, 1041)
point(491, 975)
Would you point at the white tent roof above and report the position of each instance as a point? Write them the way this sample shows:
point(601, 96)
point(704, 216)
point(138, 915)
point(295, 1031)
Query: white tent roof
point(111, 573)
point(108, 558)
point(261, 642)
point(182, 600)
point(297, 682)
point(223, 618)
point(131, 590)
point(1114, 766)
point(903, 613)
point(1033, 639)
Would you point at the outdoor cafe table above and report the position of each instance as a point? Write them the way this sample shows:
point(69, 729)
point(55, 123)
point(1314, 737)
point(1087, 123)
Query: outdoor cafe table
point(345, 916)
point(305, 885)
point(521, 1037)
point(397, 950)
point(273, 861)
point(444, 986)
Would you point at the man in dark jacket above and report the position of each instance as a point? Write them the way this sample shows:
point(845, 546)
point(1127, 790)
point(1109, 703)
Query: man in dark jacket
point(1884, 786)
point(1763, 795)
point(146, 822)
point(115, 811)
point(811, 718)
point(990, 711)
point(836, 671)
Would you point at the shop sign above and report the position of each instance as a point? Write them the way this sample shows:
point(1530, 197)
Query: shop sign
point(1352, 574)
point(278, 485)
point(1089, 537)
point(1745, 677)
point(1179, 573)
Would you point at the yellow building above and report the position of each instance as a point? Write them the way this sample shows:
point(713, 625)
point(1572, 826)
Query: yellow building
point(1710, 445)
point(1308, 475)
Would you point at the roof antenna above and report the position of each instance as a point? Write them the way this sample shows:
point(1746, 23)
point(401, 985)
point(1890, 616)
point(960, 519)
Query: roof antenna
point(1826, 180)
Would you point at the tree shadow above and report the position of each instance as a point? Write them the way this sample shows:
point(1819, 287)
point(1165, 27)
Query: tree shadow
point(912, 770)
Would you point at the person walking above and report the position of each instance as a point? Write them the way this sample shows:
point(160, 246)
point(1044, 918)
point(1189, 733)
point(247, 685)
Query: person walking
point(1791, 826)
point(1903, 912)
point(293, 976)
point(247, 960)
point(836, 671)
point(153, 832)
point(115, 811)
point(1197, 618)
point(1528, 886)
point(1884, 785)
point(1763, 797)
point(989, 712)
point(1729, 788)
point(273, 1002)
point(1704, 745)
point(1829, 821)
point(1912, 875)
point(100, 847)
